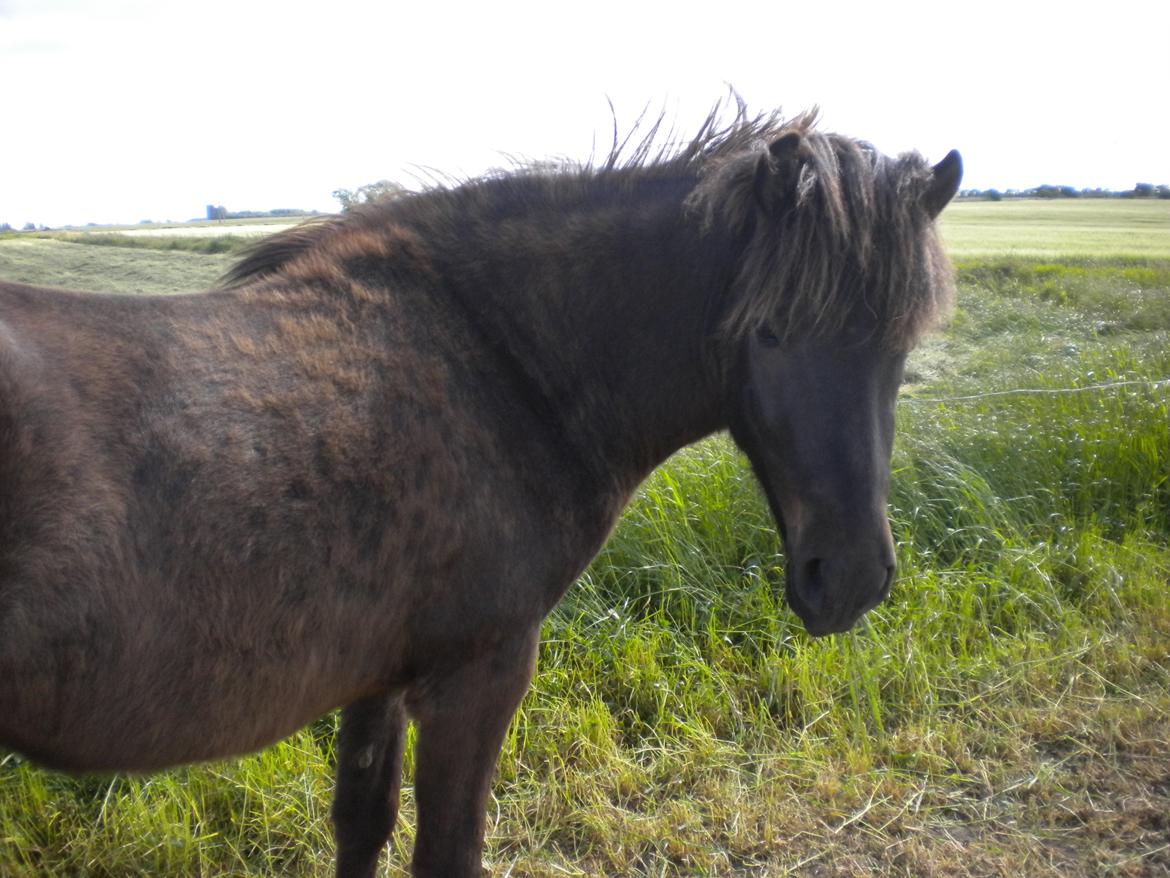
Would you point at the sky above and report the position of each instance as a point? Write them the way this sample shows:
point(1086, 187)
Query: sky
point(117, 111)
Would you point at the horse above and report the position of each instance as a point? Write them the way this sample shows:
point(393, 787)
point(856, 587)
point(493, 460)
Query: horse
point(359, 472)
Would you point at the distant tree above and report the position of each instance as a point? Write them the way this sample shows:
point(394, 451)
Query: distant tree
point(993, 195)
point(5, 227)
point(1143, 190)
point(383, 190)
point(216, 212)
point(29, 227)
point(1164, 192)
point(1049, 191)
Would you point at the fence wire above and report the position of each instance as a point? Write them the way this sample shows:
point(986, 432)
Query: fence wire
point(1037, 391)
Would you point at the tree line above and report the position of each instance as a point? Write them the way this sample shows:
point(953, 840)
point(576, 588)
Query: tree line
point(1140, 190)
point(219, 212)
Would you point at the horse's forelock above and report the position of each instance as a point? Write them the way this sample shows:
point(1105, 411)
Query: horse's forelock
point(850, 232)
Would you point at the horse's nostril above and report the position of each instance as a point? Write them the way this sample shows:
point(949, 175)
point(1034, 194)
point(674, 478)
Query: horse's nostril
point(812, 574)
point(812, 585)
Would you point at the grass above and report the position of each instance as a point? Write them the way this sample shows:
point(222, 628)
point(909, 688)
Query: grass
point(1008, 712)
point(53, 262)
point(1059, 228)
point(225, 243)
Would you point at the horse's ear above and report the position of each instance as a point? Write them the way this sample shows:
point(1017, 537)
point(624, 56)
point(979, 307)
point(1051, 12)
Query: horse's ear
point(779, 170)
point(944, 183)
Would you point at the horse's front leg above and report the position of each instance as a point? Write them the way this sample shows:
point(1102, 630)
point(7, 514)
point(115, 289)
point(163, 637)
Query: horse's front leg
point(369, 774)
point(462, 717)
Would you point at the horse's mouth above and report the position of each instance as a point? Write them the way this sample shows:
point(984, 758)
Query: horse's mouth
point(824, 617)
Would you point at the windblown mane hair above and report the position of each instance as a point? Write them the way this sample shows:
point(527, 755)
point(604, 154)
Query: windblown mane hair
point(851, 231)
point(272, 253)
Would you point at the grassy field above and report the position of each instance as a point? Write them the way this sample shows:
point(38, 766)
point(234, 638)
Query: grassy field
point(1058, 228)
point(244, 227)
point(1006, 713)
point(59, 261)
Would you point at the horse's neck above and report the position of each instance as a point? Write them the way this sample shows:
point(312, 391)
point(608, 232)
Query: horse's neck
point(605, 312)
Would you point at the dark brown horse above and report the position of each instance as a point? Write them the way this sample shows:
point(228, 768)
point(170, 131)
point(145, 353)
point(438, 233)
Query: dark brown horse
point(361, 473)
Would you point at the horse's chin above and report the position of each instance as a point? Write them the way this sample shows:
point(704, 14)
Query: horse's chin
point(830, 618)
point(819, 627)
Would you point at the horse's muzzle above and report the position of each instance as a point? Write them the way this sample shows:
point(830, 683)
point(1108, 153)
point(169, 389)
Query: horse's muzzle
point(830, 593)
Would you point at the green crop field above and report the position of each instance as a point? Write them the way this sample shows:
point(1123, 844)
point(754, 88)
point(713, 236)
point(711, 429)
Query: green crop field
point(1090, 227)
point(1007, 712)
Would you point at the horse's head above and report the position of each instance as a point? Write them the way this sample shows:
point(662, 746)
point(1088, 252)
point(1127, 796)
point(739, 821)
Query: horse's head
point(841, 273)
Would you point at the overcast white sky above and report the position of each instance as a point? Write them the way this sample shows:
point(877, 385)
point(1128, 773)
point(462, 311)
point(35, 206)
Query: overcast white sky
point(123, 110)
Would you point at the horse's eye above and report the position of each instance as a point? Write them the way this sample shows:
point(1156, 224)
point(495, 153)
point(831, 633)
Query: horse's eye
point(766, 336)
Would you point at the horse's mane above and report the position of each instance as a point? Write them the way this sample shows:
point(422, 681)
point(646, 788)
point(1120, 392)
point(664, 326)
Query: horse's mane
point(643, 156)
point(852, 233)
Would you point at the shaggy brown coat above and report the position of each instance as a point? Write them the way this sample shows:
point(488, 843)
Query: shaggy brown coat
point(361, 473)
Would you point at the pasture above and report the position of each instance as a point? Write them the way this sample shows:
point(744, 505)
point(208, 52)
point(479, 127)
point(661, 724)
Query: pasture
point(1006, 712)
point(1069, 227)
